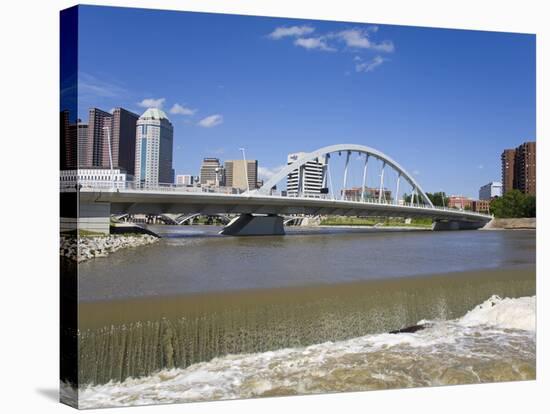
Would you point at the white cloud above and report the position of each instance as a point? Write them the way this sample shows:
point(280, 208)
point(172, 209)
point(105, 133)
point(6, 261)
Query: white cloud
point(92, 87)
point(211, 121)
point(357, 38)
point(266, 173)
point(416, 172)
point(281, 32)
point(152, 103)
point(314, 43)
point(384, 46)
point(369, 65)
point(353, 39)
point(182, 110)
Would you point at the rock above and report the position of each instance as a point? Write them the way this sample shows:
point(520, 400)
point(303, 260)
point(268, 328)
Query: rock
point(410, 329)
point(85, 248)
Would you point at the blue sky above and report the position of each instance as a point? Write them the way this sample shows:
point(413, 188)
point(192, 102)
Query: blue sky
point(443, 103)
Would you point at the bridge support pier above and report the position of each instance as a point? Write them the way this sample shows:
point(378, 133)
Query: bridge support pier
point(255, 225)
point(440, 225)
point(94, 217)
point(79, 215)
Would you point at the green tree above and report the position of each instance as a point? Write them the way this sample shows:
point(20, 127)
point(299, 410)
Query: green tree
point(514, 204)
point(530, 207)
point(438, 199)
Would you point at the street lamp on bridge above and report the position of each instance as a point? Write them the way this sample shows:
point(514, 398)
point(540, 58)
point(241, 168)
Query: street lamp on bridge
point(245, 170)
point(108, 130)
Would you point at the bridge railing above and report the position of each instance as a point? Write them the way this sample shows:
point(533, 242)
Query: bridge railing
point(132, 185)
point(375, 200)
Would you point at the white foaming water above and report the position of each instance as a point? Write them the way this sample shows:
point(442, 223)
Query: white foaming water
point(508, 313)
point(493, 342)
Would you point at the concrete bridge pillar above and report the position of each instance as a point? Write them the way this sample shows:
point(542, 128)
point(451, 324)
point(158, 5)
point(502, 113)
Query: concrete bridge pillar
point(255, 225)
point(443, 225)
point(95, 216)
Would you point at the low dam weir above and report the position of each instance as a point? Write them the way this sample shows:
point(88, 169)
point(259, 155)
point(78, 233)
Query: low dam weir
point(138, 337)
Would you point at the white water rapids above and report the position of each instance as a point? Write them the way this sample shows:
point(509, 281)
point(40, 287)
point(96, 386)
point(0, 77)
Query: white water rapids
point(495, 341)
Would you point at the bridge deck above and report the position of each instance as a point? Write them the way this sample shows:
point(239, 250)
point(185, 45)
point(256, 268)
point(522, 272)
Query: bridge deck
point(159, 202)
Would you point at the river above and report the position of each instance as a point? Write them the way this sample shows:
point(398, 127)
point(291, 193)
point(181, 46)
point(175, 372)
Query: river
point(200, 316)
point(195, 259)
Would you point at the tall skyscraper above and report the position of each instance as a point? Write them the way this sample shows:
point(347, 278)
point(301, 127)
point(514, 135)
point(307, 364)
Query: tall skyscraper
point(309, 179)
point(68, 148)
point(154, 146)
point(519, 168)
point(97, 138)
point(242, 175)
point(82, 139)
point(122, 127)
point(211, 172)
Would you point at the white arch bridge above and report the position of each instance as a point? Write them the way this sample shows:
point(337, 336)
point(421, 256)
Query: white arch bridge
point(261, 211)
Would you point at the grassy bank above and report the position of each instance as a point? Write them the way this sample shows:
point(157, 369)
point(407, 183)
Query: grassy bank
point(83, 233)
point(371, 221)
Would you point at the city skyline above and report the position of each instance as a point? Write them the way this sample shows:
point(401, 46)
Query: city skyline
point(279, 86)
point(222, 164)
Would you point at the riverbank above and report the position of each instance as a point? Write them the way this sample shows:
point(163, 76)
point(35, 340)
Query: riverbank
point(528, 223)
point(85, 248)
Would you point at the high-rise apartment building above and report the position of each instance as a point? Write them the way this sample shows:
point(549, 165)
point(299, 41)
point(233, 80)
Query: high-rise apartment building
point(241, 174)
point(490, 191)
point(307, 180)
point(519, 168)
point(508, 159)
point(154, 146)
point(526, 171)
point(211, 172)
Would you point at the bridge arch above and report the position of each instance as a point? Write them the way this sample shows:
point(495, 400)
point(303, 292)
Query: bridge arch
point(349, 148)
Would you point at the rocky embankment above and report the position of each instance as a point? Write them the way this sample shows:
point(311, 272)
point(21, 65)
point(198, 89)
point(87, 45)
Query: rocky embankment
point(86, 248)
point(511, 224)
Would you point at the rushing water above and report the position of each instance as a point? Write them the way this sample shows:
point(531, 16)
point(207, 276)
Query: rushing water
point(493, 342)
point(200, 316)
